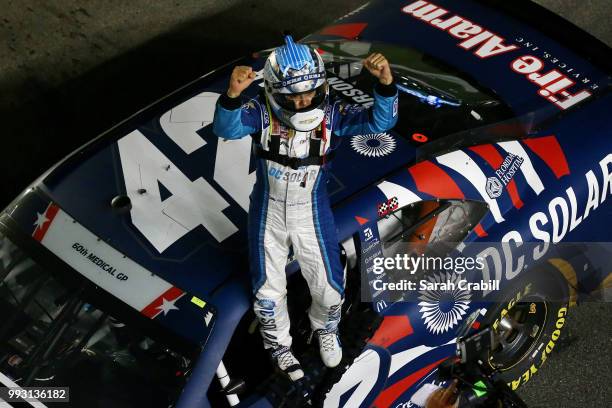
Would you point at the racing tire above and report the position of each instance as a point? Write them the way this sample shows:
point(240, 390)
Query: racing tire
point(527, 324)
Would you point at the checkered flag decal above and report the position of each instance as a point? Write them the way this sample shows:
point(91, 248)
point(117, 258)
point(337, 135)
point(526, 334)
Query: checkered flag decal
point(393, 204)
point(388, 207)
point(382, 209)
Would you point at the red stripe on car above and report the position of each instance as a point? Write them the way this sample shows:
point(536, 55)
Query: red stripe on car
point(153, 309)
point(361, 220)
point(480, 231)
point(431, 179)
point(392, 329)
point(548, 149)
point(42, 228)
point(392, 393)
point(350, 30)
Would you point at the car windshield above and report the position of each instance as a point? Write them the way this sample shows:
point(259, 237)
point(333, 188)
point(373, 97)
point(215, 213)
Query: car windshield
point(435, 99)
point(58, 331)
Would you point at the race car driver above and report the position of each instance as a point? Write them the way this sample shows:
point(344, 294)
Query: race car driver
point(293, 126)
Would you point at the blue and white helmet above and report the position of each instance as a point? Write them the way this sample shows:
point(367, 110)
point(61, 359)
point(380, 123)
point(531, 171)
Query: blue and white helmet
point(294, 69)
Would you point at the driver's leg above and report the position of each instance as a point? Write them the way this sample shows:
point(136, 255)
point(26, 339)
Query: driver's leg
point(268, 250)
point(316, 248)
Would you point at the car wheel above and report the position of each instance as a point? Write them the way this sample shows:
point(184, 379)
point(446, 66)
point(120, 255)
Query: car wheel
point(527, 324)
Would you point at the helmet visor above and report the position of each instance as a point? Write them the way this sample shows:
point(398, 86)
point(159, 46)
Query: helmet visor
point(303, 101)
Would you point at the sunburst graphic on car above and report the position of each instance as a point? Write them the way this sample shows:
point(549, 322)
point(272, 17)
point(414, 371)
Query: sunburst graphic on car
point(440, 309)
point(373, 144)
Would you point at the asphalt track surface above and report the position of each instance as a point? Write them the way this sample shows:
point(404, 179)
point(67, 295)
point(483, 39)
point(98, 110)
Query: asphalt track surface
point(71, 69)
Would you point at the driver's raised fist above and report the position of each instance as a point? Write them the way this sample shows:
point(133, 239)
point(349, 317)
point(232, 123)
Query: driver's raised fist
point(378, 66)
point(242, 77)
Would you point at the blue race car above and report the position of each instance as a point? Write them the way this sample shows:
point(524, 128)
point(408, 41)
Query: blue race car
point(124, 267)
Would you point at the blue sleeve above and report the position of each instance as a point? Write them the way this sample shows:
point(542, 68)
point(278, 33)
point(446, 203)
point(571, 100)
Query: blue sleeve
point(233, 120)
point(350, 119)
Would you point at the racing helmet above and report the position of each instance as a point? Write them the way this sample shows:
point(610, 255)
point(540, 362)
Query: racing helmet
point(294, 69)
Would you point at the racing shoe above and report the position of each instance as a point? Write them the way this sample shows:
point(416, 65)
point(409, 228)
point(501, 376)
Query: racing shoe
point(287, 363)
point(330, 347)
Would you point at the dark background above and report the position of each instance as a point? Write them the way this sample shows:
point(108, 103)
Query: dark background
point(71, 69)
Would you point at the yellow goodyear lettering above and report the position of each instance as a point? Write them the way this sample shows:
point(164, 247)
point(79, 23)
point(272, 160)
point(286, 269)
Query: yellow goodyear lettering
point(526, 376)
point(511, 304)
point(549, 347)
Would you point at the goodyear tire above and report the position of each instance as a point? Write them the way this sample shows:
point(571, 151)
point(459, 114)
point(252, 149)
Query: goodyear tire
point(528, 324)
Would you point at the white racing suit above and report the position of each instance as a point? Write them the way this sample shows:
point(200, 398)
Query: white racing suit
point(290, 206)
